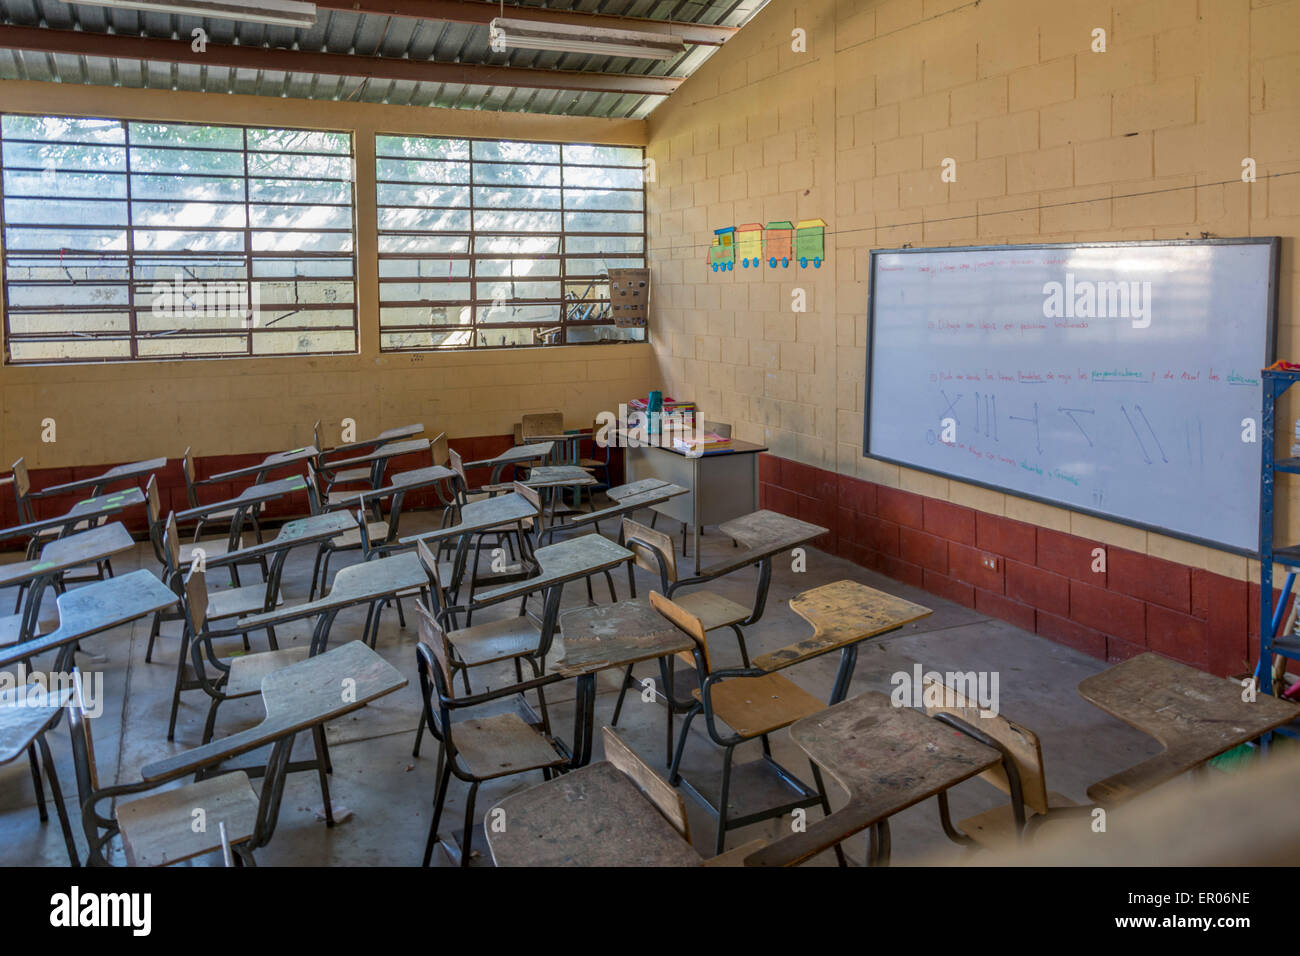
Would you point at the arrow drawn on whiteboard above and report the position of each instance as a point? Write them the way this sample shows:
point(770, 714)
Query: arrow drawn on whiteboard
point(1071, 412)
point(1038, 445)
point(1145, 456)
point(990, 406)
point(1154, 437)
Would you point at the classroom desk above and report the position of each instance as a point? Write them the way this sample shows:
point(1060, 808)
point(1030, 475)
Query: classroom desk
point(411, 480)
point(96, 485)
point(26, 713)
point(560, 563)
point(93, 609)
point(88, 509)
point(888, 758)
point(1195, 715)
point(476, 517)
point(722, 486)
point(362, 583)
point(624, 505)
point(383, 453)
point(280, 459)
point(518, 455)
point(250, 496)
point(619, 492)
point(59, 556)
point(292, 534)
point(593, 816)
point(302, 696)
point(391, 435)
point(843, 615)
point(613, 636)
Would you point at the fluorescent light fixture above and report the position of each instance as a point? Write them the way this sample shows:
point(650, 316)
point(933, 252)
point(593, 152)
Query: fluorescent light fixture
point(512, 34)
point(288, 13)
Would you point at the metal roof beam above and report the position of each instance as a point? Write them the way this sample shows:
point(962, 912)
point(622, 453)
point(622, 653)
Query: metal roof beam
point(117, 46)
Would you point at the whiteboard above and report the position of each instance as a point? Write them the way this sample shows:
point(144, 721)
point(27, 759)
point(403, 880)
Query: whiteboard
point(1109, 378)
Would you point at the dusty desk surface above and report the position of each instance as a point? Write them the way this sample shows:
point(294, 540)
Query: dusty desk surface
point(481, 515)
point(26, 713)
point(81, 511)
point(611, 635)
point(389, 450)
point(619, 492)
point(545, 476)
point(354, 584)
point(888, 758)
point(1194, 714)
point(135, 469)
point(515, 453)
point(292, 534)
point(841, 613)
point(278, 460)
point(593, 816)
point(297, 697)
point(761, 534)
point(70, 552)
point(252, 495)
point(562, 562)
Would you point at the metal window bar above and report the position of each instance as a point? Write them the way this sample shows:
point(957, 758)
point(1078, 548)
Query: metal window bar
point(135, 262)
point(572, 314)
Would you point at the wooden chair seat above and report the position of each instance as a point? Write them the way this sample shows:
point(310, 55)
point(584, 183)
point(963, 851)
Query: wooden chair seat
point(10, 626)
point(498, 746)
point(350, 475)
point(713, 610)
point(210, 548)
point(997, 827)
point(590, 463)
point(495, 641)
point(159, 829)
point(752, 706)
point(247, 670)
point(237, 602)
point(376, 530)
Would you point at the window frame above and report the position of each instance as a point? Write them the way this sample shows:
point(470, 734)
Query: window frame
point(476, 301)
point(130, 256)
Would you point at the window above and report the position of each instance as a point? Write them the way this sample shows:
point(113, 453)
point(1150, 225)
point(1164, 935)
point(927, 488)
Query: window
point(484, 244)
point(141, 240)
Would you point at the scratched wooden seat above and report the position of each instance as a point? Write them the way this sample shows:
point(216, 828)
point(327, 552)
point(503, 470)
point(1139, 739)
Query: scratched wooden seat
point(753, 704)
point(655, 553)
point(666, 798)
point(474, 749)
point(158, 829)
point(997, 827)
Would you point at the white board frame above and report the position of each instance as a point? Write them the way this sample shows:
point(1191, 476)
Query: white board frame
point(1274, 243)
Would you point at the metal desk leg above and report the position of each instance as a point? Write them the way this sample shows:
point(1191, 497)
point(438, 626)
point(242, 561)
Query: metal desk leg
point(57, 795)
point(584, 716)
point(844, 676)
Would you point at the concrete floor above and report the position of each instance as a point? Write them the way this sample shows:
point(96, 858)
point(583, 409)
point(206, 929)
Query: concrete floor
point(389, 792)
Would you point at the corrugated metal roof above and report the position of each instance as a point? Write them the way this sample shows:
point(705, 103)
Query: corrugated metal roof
point(363, 35)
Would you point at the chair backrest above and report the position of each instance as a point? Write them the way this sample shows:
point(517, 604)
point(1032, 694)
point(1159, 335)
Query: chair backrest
point(171, 545)
point(429, 561)
point(22, 481)
point(83, 740)
point(685, 621)
point(191, 476)
point(434, 657)
point(534, 498)
point(544, 423)
point(153, 511)
point(364, 528)
point(720, 429)
point(1020, 742)
point(439, 450)
point(634, 533)
point(519, 434)
point(666, 798)
point(196, 599)
point(457, 465)
point(315, 436)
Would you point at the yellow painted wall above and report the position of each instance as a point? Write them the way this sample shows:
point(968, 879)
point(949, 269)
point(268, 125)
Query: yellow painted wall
point(116, 412)
point(854, 130)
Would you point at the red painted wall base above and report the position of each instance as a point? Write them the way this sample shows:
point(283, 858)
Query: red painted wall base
point(1041, 580)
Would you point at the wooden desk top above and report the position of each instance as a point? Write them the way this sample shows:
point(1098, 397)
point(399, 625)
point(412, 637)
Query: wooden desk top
point(136, 469)
point(888, 758)
point(562, 562)
point(388, 450)
point(24, 717)
point(1195, 715)
point(479, 516)
point(355, 584)
point(392, 434)
point(517, 453)
point(594, 816)
point(408, 480)
point(297, 697)
point(81, 511)
point(841, 613)
point(762, 534)
point(612, 635)
point(97, 607)
point(252, 495)
point(84, 547)
point(626, 505)
point(620, 492)
point(550, 476)
point(279, 460)
point(292, 534)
